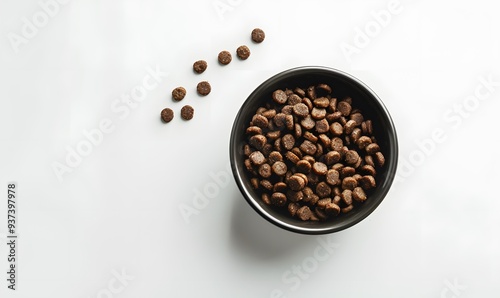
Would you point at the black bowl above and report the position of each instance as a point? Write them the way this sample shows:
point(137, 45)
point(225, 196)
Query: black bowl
point(343, 85)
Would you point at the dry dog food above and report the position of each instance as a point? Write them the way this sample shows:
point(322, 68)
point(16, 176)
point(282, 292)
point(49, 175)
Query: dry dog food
point(200, 66)
point(225, 57)
point(258, 35)
point(203, 88)
point(243, 52)
point(311, 154)
point(187, 112)
point(167, 115)
point(178, 93)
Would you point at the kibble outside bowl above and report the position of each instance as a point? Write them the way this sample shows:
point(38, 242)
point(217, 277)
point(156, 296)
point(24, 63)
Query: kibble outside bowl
point(343, 85)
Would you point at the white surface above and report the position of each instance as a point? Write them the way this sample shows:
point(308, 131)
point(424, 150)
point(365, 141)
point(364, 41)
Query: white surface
point(119, 207)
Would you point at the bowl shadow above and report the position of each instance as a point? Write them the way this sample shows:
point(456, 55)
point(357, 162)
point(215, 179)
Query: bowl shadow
point(257, 238)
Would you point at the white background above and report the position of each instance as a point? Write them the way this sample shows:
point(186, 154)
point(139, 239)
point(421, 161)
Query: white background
point(437, 233)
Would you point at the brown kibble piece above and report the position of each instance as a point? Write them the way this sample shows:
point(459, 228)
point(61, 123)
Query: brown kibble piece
point(266, 199)
point(187, 112)
point(336, 144)
point(332, 177)
point(304, 213)
point(258, 35)
point(319, 168)
point(167, 115)
point(247, 150)
point(243, 52)
point(323, 202)
point(225, 57)
point(296, 182)
point(351, 157)
point(366, 127)
point(349, 126)
point(274, 157)
point(323, 190)
point(344, 108)
point(297, 152)
point(278, 199)
point(336, 129)
point(332, 209)
point(265, 170)
point(347, 171)
point(254, 182)
point(363, 142)
point(347, 209)
point(300, 110)
point(368, 170)
point(355, 135)
point(367, 182)
point(273, 135)
point(298, 130)
point(248, 165)
point(294, 196)
point(322, 126)
point(318, 113)
point(310, 137)
point(358, 194)
point(266, 184)
point(257, 141)
point(379, 158)
point(308, 122)
point(200, 66)
point(308, 147)
point(303, 166)
point(254, 130)
point(287, 109)
point(178, 93)
point(292, 157)
point(257, 158)
point(308, 103)
point(325, 88)
point(279, 168)
point(332, 157)
point(280, 187)
point(289, 123)
point(349, 183)
point(288, 141)
point(279, 96)
point(292, 208)
point(280, 120)
point(325, 140)
point(321, 102)
point(260, 121)
point(269, 114)
point(203, 88)
point(372, 148)
point(357, 117)
point(369, 160)
point(347, 196)
point(311, 92)
point(294, 99)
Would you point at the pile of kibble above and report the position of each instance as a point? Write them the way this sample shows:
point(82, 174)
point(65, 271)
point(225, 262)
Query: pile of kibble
point(311, 154)
point(203, 88)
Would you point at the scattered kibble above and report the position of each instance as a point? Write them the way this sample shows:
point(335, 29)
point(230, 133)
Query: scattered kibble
point(178, 93)
point(200, 66)
point(187, 112)
point(167, 115)
point(225, 57)
point(203, 88)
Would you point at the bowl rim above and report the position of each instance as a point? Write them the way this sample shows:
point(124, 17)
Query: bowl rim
point(304, 70)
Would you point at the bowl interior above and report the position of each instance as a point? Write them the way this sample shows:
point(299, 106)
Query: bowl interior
point(343, 85)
